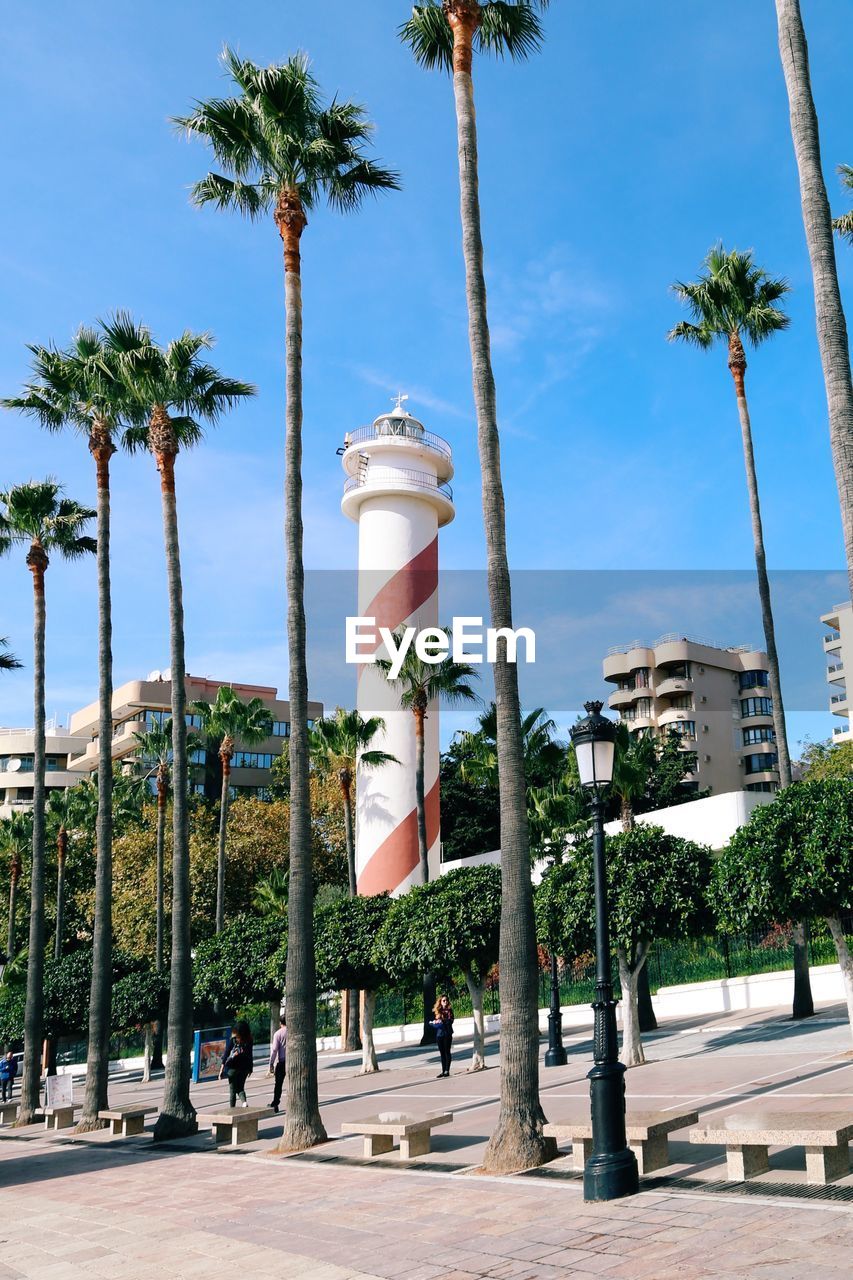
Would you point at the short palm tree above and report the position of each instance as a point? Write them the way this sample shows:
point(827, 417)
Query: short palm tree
point(38, 516)
point(178, 392)
point(226, 721)
point(420, 684)
point(8, 661)
point(844, 224)
point(446, 36)
point(78, 389)
point(733, 300)
point(282, 151)
point(338, 746)
point(543, 755)
point(817, 220)
point(16, 835)
point(633, 763)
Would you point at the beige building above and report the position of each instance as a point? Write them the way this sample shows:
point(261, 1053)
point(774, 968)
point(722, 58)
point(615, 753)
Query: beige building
point(838, 647)
point(716, 700)
point(16, 765)
point(140, 705)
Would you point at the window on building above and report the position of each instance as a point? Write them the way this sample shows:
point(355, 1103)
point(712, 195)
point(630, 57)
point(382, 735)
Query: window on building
point(684, 728)
point(762, 733)
point(754, 679)
point(761, 786)
point(643, 707)
point(198, 756)
point(683, 702)
point(252, 760)
point(678, 671)
point(256, 793)
point(756, 707)
point(640, 677)
point(280, 729)
point(760, 762)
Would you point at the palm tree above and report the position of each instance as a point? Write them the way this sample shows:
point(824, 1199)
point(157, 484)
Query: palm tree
point(829, 312)
point(734, 299)
point(226, 721)
point(445, 36)
point(178, 392)
point(37, 516)
point(59, 808)
point(155, 751)
point(844, 224)
point(284, 151)
point(338, 745)
point(544, 756)
point(78, 389)
point(8, 661)
point(420, 683)
point(16, 834)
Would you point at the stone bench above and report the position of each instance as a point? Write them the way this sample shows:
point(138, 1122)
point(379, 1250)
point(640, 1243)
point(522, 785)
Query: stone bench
point(236, 1124)
point(413, 1132)
point(8, 1112)
point(647, 1132)
point(126, 1121)
point(747, 1137)
point(58, 1117)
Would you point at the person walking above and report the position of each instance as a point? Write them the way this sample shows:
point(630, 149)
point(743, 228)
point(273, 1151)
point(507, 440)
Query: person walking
point(8, 1071)
point(443, 1023)
point(278, 1062)
point(237, 1064)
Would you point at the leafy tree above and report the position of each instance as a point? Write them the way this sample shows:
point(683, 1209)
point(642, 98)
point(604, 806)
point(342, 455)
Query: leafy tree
point(420, 683)
point(283, 152)
point(817, 220)
point(243, 964)
point(445, 36)
point(8, 661)
point(470, 810)
point(16, 837)
point(225, 722)
point(657, 889)
point(176, 392)
point(37, 516)
point(844, 225)
point(450, 925)
point(345, 935)
point(794, 860)
point(822, 760)
point(270, 896)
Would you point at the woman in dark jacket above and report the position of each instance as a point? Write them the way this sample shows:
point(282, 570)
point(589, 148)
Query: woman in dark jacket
point(443, 1023)
point(237, 1063)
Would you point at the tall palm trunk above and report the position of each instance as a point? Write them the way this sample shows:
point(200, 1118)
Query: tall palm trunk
point(95, 1097)
point(225, 759)
point(177, 1115)
point(162, 794)
point(829, 313)
point(61, 855)
point(34, 1011)
point(303, 1126)
point(420, 792)
point(352, 1039)
point(803, 1006)
point(518, 1141)
point(14, 877)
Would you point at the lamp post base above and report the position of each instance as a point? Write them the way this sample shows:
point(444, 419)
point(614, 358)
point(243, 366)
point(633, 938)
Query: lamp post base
point(555, 1055)
point(611, 1171)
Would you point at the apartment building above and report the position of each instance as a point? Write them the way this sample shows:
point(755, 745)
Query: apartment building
point(716, 699)
point(17, 747)
point(838, 647)
point(140, 705)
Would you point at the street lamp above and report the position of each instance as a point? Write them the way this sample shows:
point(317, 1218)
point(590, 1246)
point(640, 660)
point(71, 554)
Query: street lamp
point(555, 1055)
point(611, 1170)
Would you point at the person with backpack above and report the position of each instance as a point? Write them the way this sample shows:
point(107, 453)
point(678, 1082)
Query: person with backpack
point(237, 1065)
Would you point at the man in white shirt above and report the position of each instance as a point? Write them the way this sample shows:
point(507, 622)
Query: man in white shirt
point(278, 1062)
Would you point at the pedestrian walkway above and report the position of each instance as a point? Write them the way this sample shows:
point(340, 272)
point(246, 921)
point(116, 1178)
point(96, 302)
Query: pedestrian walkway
point(103, 1206)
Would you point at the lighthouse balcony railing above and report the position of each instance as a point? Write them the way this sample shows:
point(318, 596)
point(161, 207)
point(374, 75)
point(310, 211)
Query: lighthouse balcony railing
point(398, 477)
point(398, 431)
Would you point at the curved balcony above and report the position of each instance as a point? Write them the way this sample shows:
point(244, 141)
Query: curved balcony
point(377, 482)
point(621, 698)
point(624, 659)
point(673, 686)
point(674, 715)
point(390, 431)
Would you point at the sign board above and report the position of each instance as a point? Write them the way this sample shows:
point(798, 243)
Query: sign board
point(59, 1091)
point(209, 1049)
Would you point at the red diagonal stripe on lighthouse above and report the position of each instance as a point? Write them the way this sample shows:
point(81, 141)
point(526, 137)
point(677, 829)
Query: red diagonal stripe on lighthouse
point(406, 590)
point(397, 856)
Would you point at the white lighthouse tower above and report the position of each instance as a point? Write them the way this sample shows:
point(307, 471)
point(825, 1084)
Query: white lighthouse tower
point(397, 491)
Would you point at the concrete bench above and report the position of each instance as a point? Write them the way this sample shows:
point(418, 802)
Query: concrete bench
point(58, 1117)
point(647, 1132)
point(414, 1132)
point(126, 1121)
point(8, 1112)
point(236, 1124)
point(747, 1137)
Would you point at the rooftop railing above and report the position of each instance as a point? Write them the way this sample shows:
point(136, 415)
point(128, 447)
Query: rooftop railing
point(673, 637)
point(402, 477)
point(398, 431)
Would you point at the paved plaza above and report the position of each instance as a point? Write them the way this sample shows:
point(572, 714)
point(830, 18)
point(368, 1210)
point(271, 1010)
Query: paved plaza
point(110, 1207)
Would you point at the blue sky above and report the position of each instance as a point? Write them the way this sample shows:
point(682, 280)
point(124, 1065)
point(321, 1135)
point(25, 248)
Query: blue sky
point(609, 164)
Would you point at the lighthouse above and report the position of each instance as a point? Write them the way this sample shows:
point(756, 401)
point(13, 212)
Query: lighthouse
point(397, 490)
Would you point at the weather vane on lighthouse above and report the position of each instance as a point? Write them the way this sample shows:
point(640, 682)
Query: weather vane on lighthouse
point(399, 399)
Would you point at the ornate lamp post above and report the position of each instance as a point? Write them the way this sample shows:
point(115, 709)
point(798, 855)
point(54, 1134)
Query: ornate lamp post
point(555, 1055)
point(611, 1170)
